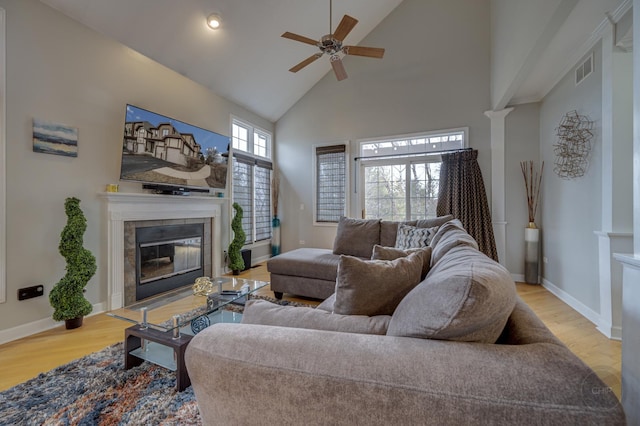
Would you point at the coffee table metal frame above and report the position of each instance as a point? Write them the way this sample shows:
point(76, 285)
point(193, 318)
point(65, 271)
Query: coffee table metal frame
point(164, 329)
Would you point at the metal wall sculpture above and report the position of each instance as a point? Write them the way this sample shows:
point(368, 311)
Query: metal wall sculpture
point(574, 145)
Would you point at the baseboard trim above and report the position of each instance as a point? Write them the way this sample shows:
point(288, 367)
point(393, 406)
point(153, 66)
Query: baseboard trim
point(613, 333)
point(574, 303)
point(39, 326)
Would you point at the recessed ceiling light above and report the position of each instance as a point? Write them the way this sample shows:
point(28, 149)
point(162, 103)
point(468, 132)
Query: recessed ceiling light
point(214, 21)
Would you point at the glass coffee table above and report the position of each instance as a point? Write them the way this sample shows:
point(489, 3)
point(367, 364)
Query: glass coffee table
point(165, 324)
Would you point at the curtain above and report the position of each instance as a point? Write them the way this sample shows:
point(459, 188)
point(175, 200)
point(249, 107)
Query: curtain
point(462, 194)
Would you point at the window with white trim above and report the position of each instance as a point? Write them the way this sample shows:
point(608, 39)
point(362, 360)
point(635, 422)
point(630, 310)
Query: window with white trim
point(400, 176)
point(330, 183)
point(252, 179)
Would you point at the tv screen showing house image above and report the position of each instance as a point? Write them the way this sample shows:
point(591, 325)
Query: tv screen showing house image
point(160, 150)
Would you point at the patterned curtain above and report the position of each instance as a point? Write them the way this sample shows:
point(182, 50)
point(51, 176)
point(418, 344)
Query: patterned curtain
point(462, 194)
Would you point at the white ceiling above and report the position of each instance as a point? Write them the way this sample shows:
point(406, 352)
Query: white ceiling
point(246, 61)
point(572, 40)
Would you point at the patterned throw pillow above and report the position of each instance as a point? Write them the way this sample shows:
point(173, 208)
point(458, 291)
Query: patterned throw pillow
point(413, 237)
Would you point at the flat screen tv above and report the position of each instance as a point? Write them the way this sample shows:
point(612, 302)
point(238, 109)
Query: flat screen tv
point(165, 154)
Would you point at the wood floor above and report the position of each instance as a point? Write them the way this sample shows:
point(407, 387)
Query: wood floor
point(25, 358)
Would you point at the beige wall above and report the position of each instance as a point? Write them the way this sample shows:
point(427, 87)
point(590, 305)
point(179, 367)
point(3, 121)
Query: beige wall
point(522, 143)
point(60, 71)
point(424, 82)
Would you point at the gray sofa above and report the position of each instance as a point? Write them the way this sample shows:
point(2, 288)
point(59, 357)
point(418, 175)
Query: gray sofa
point(312, 272)
point(446, 341)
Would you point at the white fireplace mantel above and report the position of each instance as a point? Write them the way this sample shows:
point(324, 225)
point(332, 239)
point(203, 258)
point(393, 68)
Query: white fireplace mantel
point(123, 207)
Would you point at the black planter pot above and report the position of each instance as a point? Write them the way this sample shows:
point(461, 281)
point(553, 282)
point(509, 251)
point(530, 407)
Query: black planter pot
point(236, 272)
point(72, 323)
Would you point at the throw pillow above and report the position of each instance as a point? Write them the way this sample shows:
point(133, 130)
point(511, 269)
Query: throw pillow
point(392, 253)
point(356, 237)
point(267, 313)
point(466, 297)
point(414, 237)
point(374, 287)
point(389, 231)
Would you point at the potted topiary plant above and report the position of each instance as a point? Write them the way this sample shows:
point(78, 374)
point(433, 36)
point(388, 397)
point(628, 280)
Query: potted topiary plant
point(67, 296)
point(236, 262)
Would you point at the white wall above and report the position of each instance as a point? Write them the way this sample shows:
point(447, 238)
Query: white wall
point(571, 208)
point(435, 75)
point(522, 143)
point(61, 71)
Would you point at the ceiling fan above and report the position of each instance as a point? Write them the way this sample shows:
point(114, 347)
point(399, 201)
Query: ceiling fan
point(331, 44)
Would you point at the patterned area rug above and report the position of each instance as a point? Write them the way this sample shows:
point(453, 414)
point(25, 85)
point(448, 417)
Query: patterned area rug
point(97, 390)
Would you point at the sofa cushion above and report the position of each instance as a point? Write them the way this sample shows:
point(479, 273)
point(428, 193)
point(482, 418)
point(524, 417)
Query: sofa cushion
point(306, 262)
point(448, 236)
point(267, 313)
point(434, 221)
point(389, 231)
point(413, 237)
point(327, 304)
point(374, 287)
point(356, 237)
point(392, 253)
point(466, 297)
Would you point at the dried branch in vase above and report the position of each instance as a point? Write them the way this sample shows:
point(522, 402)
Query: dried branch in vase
point(532, 184)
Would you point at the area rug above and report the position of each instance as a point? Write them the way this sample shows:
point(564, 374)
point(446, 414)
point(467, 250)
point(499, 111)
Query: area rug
point(97, 390)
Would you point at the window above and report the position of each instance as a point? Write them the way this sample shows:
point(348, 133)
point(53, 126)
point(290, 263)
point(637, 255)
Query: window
point(248, 138)
point(399, 177)
point(331, 183)
point(252, 179)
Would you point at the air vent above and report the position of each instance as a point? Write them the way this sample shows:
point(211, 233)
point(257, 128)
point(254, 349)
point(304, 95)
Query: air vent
point(584, 69)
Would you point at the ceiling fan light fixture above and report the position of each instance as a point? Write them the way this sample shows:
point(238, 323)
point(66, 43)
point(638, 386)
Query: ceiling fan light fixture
point(214, 21)
point(331, 44)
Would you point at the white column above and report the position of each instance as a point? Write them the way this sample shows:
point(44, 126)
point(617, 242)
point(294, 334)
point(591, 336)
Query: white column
point(498, 211)
point(616, 185)
point(631, 263)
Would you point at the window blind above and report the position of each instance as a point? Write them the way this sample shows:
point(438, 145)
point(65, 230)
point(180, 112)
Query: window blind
point(331, 175)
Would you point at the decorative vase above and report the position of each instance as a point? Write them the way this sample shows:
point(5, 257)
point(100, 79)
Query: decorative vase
point(72, 323)
point(275, 236)
point(531, 253)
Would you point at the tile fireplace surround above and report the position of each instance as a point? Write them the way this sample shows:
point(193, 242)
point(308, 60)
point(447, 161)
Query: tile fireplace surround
point(125, 207)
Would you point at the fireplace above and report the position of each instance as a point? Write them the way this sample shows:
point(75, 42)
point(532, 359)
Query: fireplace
point(168, 257)
point(126, 211)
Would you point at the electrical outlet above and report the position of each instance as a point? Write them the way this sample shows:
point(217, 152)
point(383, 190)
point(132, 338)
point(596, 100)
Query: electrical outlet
point(302, 242)
point(545, 260)
point(30, 292)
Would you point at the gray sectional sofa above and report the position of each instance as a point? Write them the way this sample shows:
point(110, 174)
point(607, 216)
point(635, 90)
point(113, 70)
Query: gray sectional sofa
point(312, 272)
point(431, 336)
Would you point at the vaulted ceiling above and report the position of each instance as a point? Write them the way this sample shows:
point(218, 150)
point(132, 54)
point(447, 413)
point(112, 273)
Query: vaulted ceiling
point(247, 60)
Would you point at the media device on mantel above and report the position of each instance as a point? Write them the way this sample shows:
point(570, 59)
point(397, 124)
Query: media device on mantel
point(169, 156)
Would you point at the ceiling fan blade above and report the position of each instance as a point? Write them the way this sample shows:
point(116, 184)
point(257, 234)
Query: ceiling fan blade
point(306, 62)
point(338, 67)
point(344, 27)
point(370, 52)
point(300, 38)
